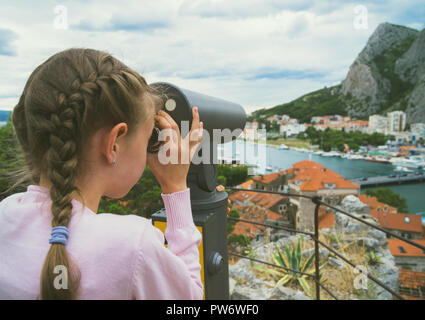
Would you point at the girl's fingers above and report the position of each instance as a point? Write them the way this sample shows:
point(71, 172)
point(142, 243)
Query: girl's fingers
point(172, 124)
point(219, 188)
point(195, 119)
point(162, 122)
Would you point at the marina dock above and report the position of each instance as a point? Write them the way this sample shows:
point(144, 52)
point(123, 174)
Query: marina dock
point(389, 180)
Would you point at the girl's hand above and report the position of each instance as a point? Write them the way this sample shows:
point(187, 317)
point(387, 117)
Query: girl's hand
point(220, 188)
point(172, 176)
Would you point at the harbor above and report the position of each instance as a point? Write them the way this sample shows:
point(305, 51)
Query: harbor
point(266, 159)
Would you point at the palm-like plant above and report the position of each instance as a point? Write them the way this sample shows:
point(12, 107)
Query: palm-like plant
point(291, 258)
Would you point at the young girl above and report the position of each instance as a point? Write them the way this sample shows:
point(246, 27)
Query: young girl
point(84, 122)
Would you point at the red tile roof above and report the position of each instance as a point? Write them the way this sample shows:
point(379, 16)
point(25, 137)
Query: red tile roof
point(373, 203)
point(398, 221)
point(411, 279)
point(266, 200)
point(268, 178)
point(312, 176)
point(326, 218)
point(404, 249)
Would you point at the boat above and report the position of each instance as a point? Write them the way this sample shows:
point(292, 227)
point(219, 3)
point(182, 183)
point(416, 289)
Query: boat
point(379, 159)
point(415, 162)
point(283, 147)
point(331, 154)
point(269, 168)
point(402, 169)
point(355, 157)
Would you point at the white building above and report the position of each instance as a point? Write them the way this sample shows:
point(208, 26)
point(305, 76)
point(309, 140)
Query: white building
point(396, 121)
point(292, 128)
point(378, 124)
point(418, 130)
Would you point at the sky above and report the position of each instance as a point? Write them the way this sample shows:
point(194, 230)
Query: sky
point(257, 53)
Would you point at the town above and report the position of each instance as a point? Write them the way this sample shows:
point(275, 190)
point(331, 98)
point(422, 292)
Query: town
point(402, 145)
point(312, 179)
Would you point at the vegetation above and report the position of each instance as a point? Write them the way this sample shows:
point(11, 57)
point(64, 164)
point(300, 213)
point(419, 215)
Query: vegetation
point(329, 139)
point(291, 258)
point(232, 176)
point(385, 63)
point(241, 239)
point(318, 103)
point(373, 259)
point(387, 196)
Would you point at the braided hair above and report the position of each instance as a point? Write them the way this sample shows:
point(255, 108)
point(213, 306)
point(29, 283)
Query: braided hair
point(66, 100)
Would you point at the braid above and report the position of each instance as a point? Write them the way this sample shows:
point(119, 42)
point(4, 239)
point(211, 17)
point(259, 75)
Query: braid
point(62, 161)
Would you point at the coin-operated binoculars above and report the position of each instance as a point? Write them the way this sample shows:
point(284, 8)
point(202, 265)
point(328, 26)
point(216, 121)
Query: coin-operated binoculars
point(223, 122)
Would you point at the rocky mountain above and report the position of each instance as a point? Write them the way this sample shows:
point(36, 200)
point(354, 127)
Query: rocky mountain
point(388, 74)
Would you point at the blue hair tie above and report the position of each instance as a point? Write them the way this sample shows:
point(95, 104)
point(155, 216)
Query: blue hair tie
point(59, 235)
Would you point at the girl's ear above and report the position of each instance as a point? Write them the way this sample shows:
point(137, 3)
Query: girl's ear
point(113, 139)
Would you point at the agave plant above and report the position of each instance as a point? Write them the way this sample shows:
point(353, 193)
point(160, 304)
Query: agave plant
point(373, 259)
point(291, 258)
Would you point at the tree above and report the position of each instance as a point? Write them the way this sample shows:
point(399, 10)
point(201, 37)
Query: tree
point(387, 196)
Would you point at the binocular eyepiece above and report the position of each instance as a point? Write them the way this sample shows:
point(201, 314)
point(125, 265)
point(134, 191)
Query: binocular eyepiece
point(217, 115)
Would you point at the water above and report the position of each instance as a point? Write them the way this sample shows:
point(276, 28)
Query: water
point(351, 169)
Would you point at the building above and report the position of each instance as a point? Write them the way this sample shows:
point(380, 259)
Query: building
point(349, 126)
point(407, 256)
point(396, 121)
point(291, 129)
point(418, 130)
point(405, 225)
point(305, 177)
point(311, 178)
point(378, 123)
point(274, 208)
point(412, 284)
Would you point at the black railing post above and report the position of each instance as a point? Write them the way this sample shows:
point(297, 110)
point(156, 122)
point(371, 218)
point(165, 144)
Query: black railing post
point(316, 200)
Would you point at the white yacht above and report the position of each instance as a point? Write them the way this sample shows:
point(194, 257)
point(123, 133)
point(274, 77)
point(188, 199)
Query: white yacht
point(283, 147)
point(414, 162)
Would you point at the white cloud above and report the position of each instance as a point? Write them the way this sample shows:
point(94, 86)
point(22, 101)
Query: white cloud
point(258, 54)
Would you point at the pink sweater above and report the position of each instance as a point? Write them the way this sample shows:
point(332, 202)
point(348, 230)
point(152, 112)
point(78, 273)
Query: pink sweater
point(119, 257)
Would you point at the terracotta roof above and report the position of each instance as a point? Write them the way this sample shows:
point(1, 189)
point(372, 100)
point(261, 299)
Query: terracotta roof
point(312, 176)
point(411, 279)
point(373, 203)
point(266, 179)
point(241, 196)
point(272, 215)
point(412, 298)
point(398, 221)
point(246, 184)
point(253, 213)
point(266, 200)
point(404, 249)
point(326, 218)
point(247, 229)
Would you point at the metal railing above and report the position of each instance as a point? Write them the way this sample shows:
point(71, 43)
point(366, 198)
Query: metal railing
point(317, 243)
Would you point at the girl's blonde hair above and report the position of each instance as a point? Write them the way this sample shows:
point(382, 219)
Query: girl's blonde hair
point(65, 100)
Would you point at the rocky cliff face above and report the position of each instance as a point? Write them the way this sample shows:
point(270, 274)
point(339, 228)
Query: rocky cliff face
point(388, 74)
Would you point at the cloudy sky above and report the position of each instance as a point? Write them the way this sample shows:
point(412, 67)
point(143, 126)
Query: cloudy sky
point(257, 53)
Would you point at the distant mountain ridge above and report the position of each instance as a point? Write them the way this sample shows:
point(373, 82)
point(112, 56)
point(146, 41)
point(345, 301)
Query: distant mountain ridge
point(388, 74)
